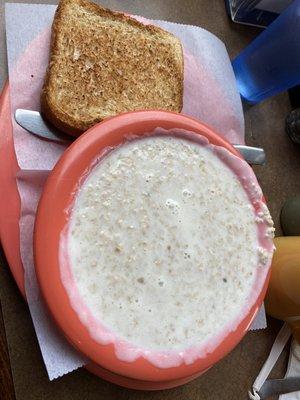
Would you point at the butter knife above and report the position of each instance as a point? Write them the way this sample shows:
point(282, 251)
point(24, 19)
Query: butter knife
point(34, 123)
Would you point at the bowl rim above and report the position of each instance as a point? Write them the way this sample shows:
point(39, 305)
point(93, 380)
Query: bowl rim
point(51, 218)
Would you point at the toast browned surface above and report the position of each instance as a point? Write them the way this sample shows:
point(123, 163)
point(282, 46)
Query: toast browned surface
point(103, 63)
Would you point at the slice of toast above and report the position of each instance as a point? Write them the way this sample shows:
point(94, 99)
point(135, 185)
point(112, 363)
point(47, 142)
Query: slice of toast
point(103, 63)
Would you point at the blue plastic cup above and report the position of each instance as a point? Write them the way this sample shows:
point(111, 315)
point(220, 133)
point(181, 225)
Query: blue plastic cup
point(271, 63)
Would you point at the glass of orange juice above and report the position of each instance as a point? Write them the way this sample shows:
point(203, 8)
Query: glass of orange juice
point(283, 297)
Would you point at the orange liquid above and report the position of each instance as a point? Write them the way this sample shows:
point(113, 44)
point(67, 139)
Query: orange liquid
point(283, 296)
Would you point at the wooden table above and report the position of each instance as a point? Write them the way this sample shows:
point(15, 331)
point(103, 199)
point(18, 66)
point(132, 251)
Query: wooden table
point(22, 374)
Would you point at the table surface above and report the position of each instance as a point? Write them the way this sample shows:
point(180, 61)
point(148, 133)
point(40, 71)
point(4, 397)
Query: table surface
point(22, 374)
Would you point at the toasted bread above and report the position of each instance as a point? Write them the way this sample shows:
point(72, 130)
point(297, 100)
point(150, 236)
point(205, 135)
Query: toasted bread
point(103, 63)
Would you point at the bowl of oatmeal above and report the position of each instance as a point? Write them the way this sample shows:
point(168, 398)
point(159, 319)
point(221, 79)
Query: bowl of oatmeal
point(153, 246)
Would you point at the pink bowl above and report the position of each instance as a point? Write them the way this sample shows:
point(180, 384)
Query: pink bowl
point(51, 219)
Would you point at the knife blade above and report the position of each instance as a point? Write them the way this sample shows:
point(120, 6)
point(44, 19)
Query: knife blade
point(34, 123)
point(274, 387)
